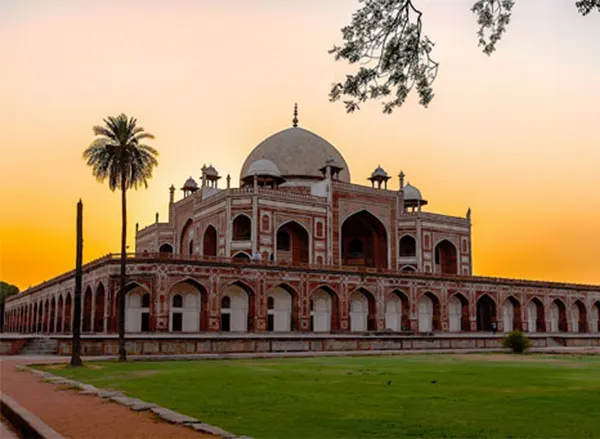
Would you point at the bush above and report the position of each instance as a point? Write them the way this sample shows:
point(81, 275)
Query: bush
point(516, 341)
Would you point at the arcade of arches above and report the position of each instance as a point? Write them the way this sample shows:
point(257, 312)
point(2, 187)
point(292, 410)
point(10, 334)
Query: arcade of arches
point(237, 308)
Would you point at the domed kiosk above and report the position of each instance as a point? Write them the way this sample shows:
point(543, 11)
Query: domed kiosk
point(299, 155)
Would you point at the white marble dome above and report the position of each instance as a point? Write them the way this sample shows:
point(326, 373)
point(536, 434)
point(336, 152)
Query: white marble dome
point(262, 167)
point(298, 154)
point(190, 183)
point(411, 193)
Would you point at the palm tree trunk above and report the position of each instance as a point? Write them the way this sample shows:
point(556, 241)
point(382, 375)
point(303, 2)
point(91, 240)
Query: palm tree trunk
point(121, 302)
point(76, 344)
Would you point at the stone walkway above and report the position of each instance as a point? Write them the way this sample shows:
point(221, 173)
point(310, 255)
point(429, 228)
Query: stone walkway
point(82, 416)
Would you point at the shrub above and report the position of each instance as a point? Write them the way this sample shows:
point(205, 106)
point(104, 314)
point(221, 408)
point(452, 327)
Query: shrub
point(516, 341)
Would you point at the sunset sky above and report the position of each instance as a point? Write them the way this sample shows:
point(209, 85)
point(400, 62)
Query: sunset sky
point(513, 136)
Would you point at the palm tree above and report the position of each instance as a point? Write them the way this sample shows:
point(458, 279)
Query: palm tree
point(118, 154)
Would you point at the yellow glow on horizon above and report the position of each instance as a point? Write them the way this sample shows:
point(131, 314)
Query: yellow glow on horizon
point(512, 136)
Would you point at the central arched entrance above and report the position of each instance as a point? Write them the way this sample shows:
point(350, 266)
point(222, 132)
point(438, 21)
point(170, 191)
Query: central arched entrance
point(364, 241)
point(396, 312)
point(458, 313)
point(486, 313)
point(293, 242)
point(511, 315)
point(445, 258)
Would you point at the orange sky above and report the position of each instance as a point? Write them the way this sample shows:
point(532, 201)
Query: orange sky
point(513, 136)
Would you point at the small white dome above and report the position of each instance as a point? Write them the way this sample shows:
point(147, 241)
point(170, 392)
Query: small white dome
point(411, 193)
point(211, 171)
point(379, 172)
point(190, 183)
point(262, 167)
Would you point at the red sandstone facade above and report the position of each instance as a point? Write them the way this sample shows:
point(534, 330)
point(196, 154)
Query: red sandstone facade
point(299, 248)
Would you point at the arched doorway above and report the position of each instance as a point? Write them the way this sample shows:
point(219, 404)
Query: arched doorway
point(292, 243)
point(595, 323)
point(324, 310)
point(445, 258)
point(137, 309)
point(511, 315)
point(209, 242)
point(281, 303)
point(428, 309)
point(52, 322)
point(579, 323)
point(536, 321)
point(558, 317)
point(396, 312)
point(242, 228)
point(59, 315)
point(364, 241)
point(165, 249)
point(486, 313)
point(68, 324)
point(186, 242)
point(362, 311)
point(99, 309)
point(188, 307)
point(237, 308)
point(86, 312)
point(46, 317)
point(408, 247)
point(458, 313)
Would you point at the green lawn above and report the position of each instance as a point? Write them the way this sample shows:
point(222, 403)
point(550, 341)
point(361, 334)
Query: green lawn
point(427, 396)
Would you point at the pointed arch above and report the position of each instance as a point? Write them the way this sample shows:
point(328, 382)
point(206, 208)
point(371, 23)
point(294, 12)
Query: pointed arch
point(536, 315)
point(486, 313)
point(190, 314)
point(186, 240)
point(166, 249)
point(579, 323)
point(242, 228)
point(397, 311)
point(68, 323)
point(429, 312)
point(595, 320)
point(324, 306)
point(209, 241)
point(407, 246)
point(282, 308)
point(60, 314)
point(86, 310)
point(242, 256)
point(361, 311)
point(238, 316)
point(446, 260)
point(364, 241)
point(99, 303)
point(511, 314)
point(558, 316)
point(52, 321)
point(138, 307)
point(458, 313)
point(46, 316)
point(293, 242)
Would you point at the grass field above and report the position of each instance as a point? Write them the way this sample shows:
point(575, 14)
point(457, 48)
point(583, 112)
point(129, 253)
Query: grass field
point(422, 396)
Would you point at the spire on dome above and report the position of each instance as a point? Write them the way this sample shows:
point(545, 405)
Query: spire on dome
point(295, 120)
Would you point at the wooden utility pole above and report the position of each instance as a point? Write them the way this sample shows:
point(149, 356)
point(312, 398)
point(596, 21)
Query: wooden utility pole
point(76, 346)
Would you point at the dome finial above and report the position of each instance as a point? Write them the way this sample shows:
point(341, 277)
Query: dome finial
point(295, 120)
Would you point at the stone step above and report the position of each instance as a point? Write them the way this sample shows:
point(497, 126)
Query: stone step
point(39, 346)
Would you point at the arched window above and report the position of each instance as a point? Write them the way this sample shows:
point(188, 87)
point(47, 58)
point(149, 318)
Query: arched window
point(364, 241)
point(210, 241)
point(166, 248)
point(446, 258)
point(177, 301)
point(242, 228)
point(408, 246)
point(283, 241)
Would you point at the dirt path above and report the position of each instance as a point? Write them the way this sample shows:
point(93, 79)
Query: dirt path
point(83, 416)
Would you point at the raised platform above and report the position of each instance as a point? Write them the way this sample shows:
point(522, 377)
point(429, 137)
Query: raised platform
point(178, 344)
